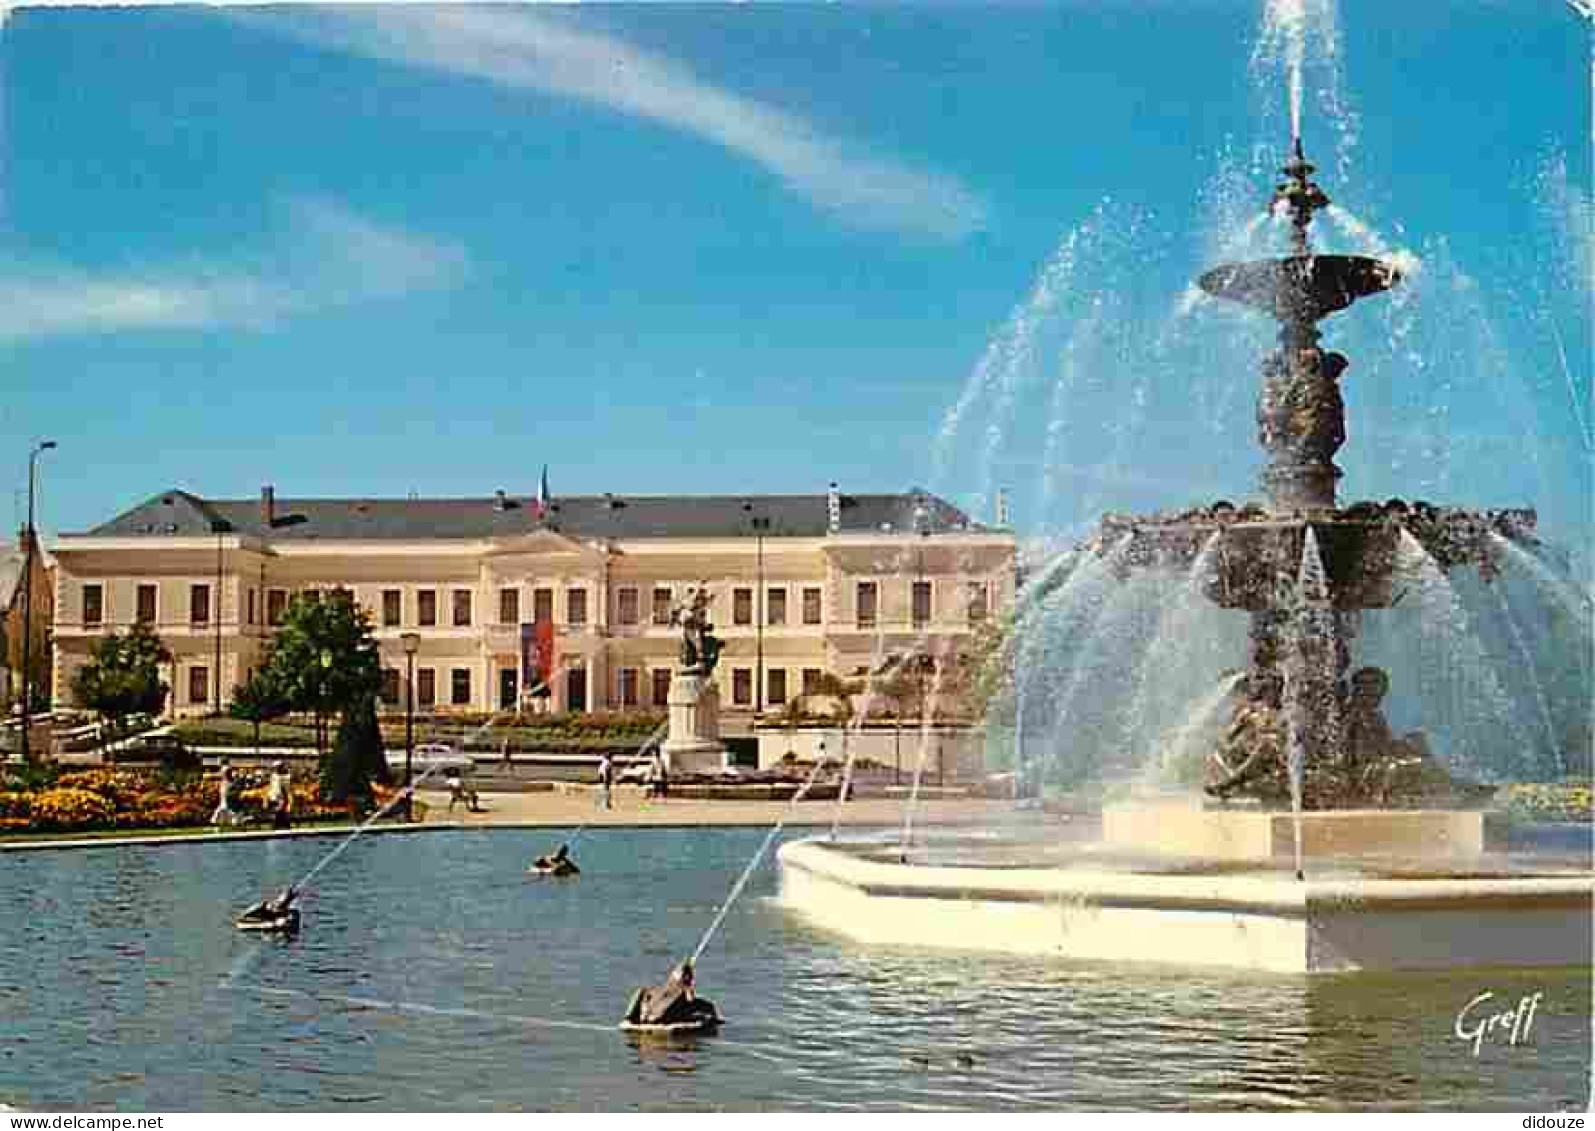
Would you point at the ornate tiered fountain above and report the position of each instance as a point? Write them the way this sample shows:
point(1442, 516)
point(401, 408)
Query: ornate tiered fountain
point(1405, 870)
point(1302, 567)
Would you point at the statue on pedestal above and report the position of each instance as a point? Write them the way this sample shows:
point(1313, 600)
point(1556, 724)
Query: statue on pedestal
point(700, 648)
point(693, 744)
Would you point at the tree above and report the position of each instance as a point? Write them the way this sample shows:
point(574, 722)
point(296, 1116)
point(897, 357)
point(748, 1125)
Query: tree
point(990, 666)
point(324, 658)
point(123, 676)
point(258, 700)
point(358, 756)
point(832, 686)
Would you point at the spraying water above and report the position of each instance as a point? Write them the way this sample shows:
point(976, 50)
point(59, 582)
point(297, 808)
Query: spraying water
point(570, 839)
point(926, 724)
point(747, 873)
point(1538, 689)
point(392, 802)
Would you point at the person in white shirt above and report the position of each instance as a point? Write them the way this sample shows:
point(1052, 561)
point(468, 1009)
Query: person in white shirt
point(223, 813)
point(280, 796)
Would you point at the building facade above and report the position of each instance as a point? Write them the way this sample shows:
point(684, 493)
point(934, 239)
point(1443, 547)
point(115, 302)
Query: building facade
point(799, 585)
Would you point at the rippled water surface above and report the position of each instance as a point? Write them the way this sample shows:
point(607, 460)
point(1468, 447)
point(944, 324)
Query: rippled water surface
point(432, 975)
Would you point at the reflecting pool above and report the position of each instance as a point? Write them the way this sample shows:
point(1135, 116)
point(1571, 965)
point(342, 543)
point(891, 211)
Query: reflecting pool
point(432, 974)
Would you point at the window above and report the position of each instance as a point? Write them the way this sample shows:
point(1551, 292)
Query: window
point(460, 687)
point(426, 687)
point(462, 608)
point(867, 593)
point(392, 607)
point(509, 606)
point(742, 606)
point(776, 679)
point(426, 607)
point(543, 605)
point(661, 678)
point(251, 617)
point(628, 687)
point(626, 612)
point(575, 606)
point(93, 604)
point(146, 604)
point(661, 606)
point(775, 606)
point(276, 605)
point(742, 687)
point(390, 686)
point(978, 606)
point(811, 681)
point(198, 684)
point(922, 605)
point(811, 604)
point(199, 604)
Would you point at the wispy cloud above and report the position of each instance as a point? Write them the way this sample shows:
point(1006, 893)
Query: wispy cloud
point(524, 50)
point(327, 257)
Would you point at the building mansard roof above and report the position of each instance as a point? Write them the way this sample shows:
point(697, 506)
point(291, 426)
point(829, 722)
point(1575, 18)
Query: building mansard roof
point(181, 514)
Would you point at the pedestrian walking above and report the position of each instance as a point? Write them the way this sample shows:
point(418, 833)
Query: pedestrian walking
point(280, 796)
point(606, 780)
point(223, 813)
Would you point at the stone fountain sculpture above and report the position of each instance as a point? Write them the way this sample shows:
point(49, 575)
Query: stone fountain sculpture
point(1303, 568)
point(693, 744)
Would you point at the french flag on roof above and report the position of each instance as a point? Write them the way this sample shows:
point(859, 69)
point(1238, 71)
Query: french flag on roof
point(540, 505)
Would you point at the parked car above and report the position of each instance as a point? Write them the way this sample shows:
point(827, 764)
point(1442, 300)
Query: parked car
point(439, 757)
point(157, 748)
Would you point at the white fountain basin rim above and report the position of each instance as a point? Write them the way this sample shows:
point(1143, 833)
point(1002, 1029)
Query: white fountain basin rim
point(1280, 895)
point(1263, 922)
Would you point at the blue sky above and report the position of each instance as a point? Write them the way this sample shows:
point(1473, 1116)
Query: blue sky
point(671, 248)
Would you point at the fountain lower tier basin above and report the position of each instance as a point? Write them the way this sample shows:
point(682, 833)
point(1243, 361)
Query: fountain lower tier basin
point(1183, 828)
point(1360, 545)
point(1266, 921)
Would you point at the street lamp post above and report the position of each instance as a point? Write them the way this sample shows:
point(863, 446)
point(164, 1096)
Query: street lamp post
point(219, 527)
point(321, 702)
point(761, 526)
point(31, 538)
point(412, 641)
point(922, 527)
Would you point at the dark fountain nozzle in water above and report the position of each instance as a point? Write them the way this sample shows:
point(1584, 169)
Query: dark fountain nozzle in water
point(1337, 737)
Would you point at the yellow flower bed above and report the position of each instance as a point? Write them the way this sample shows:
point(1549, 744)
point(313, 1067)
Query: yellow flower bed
point(84, 800)
point(67, 809)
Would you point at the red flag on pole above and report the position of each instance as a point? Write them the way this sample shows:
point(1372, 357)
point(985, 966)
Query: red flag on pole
point(545, 651)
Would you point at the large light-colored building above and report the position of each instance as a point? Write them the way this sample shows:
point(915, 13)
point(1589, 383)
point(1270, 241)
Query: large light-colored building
point(800, 584)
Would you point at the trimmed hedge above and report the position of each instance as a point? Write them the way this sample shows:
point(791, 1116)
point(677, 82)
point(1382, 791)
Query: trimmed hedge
point(578, 732)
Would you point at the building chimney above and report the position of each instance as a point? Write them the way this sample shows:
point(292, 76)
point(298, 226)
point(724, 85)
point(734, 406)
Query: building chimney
point(268, 506)
point(1002, 508)
point(833, 511)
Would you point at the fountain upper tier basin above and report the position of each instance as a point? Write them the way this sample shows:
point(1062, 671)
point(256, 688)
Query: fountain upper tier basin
point(1341, 918)
point(1360, 545)
point(1301, 288)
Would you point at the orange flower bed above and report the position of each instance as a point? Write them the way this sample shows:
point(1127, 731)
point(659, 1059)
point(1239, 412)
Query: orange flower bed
point(67, 809)
point(86, 800)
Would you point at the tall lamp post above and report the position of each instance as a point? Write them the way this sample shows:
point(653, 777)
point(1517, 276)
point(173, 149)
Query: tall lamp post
point(761, 526)
point(219, 527)
point(30, 537)
point(922, 528)
point(412, 641)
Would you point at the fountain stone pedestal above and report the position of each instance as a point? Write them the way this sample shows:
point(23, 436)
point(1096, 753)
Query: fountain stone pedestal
point(1192, 828)
point(693, 745)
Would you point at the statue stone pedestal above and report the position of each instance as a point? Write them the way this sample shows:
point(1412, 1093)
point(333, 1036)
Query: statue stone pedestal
point(693, 745)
